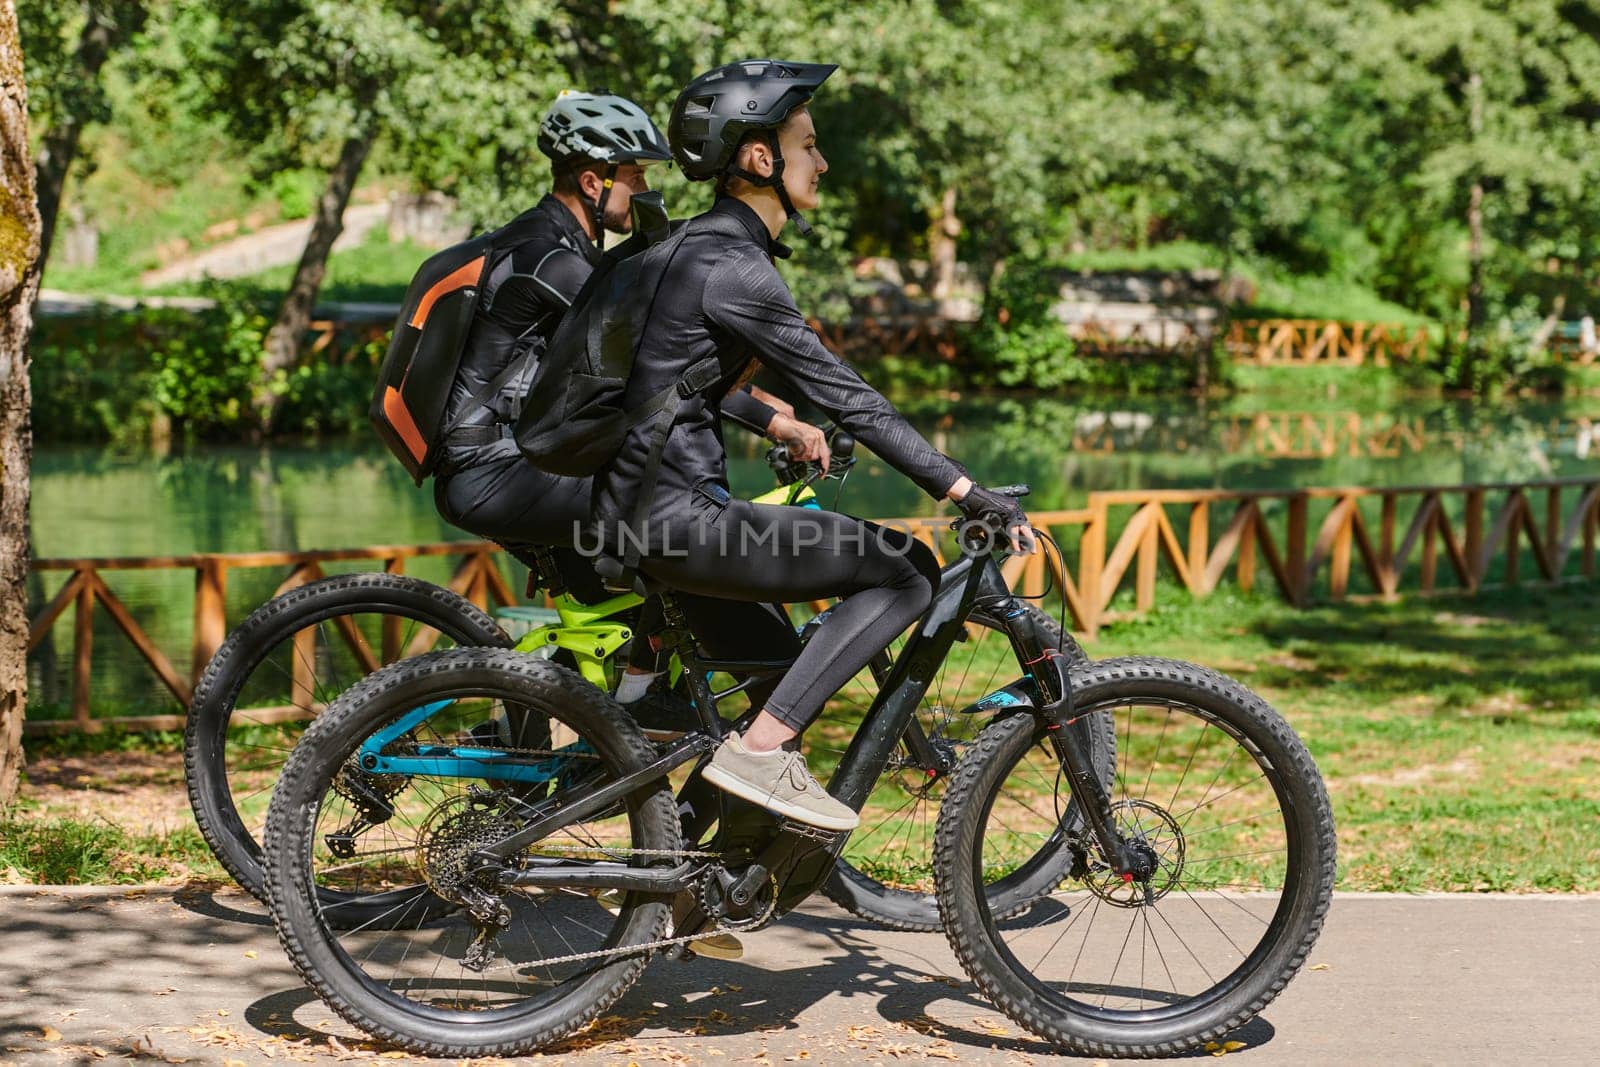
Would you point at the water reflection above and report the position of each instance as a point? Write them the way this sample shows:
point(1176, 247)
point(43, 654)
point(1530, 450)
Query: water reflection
point(94, 502)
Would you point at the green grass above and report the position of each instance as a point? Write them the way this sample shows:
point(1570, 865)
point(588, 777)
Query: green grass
point(63, 851)
point(1460, 738)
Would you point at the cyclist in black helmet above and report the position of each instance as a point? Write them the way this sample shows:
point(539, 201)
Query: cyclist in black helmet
point(717, 295)
point(600, 147)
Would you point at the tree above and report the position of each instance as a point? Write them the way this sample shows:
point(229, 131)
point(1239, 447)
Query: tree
point(1494, 103)
point(431, 83)
point(19, 280)
point(72, 96)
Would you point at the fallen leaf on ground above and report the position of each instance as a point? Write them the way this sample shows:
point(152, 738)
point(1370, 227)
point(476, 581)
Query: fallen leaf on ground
point(252, 954)
point(1224, 1048)
point(1320, 967)
point(49, 1033)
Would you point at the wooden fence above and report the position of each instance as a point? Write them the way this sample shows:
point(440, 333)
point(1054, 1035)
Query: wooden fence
point(1310, 544)
point(85, 590)
point(1300, 342)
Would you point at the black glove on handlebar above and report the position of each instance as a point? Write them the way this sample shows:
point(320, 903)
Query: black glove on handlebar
point(1001, 512)
point(981, 503)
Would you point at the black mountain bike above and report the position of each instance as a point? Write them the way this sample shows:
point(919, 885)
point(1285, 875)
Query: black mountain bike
point(1138, 913)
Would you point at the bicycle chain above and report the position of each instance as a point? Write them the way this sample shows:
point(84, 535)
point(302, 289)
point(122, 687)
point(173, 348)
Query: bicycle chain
point(646, 946)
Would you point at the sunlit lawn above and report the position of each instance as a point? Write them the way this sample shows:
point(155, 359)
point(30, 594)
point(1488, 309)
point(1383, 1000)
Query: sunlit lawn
point(1460, 740)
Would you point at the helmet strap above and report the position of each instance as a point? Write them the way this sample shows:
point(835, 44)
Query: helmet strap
point(775, 182)
point(600, 205)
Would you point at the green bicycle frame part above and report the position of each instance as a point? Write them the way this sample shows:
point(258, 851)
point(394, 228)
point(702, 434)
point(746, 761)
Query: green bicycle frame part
point(582, 630)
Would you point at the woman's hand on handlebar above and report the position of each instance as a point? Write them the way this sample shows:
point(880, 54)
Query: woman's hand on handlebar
point(806, 443)
point(997, 510)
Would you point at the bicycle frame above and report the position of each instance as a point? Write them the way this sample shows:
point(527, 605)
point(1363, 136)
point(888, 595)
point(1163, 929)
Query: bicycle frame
point(796, 859)
point(589, 632)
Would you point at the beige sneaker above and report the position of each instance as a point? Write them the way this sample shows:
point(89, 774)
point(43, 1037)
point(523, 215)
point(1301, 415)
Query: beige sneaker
point(715, 947)
point(780, 782)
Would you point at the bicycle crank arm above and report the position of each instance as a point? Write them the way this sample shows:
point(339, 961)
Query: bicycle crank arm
point(607, 876)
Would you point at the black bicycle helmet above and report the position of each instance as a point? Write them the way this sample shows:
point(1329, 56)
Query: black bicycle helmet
point(714, 114)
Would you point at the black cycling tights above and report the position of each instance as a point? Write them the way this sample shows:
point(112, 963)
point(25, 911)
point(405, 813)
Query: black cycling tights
point(761, 552)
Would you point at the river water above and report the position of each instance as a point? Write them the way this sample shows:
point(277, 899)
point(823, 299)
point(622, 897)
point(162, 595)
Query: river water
point(99, 502)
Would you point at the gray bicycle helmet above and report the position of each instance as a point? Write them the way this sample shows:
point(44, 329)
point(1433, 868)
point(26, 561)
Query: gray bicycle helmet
point(600, 127)
point(583, 128)
point(716, 111)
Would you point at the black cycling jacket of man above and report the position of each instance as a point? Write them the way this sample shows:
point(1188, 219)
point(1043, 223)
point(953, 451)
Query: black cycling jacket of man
point(527, 292)
point(717, 293)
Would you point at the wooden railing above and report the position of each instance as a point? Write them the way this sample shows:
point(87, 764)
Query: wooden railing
point(1311, 341)
point(476, 577)
point(1310, 544)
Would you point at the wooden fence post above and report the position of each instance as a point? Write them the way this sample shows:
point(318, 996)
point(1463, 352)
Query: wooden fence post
point(82, 654)
point(1474, 537)
point(1295, 551)
point(210, 613)
point(1091, 561)
point(1199, 546)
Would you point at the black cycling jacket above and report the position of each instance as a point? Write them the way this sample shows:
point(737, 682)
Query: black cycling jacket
point(528, 289)
point(718, 294)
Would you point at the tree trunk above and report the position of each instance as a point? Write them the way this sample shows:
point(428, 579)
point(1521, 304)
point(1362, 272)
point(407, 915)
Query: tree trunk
point(19, 280)
point(294, 316)
point(942, 247)
point(1475, 310)
point(101, 33)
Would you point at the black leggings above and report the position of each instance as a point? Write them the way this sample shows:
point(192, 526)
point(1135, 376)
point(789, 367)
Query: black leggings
point(514, 503)
point(763, 552)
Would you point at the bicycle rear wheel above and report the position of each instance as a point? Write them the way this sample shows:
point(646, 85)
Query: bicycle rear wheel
point(283, 665)
point(392, 793)
point(1229, 804)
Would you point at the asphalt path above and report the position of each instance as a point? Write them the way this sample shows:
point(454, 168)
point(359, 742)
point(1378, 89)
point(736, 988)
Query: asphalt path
point(157, 975)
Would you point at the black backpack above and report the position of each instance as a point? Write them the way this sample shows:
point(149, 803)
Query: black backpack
point(573, 421)
point(429, 339)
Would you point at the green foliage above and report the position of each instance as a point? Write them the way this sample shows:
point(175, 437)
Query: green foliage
point(120, 376)
point(296, 192)
point(1328, 151)
point(203, 375)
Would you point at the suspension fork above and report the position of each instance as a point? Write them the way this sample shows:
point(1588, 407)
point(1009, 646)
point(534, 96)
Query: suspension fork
point(1068, 732)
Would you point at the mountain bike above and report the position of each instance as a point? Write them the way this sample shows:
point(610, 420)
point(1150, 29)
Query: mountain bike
point(289, 659)
point(1140, 912)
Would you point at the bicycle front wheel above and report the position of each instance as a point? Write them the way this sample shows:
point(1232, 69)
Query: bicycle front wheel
point(1219, 790)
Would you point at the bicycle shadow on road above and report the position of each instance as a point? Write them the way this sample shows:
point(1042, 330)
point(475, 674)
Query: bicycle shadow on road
point(893, 989)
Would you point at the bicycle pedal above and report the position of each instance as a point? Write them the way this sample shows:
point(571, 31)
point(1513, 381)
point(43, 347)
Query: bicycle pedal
point(814, 833)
